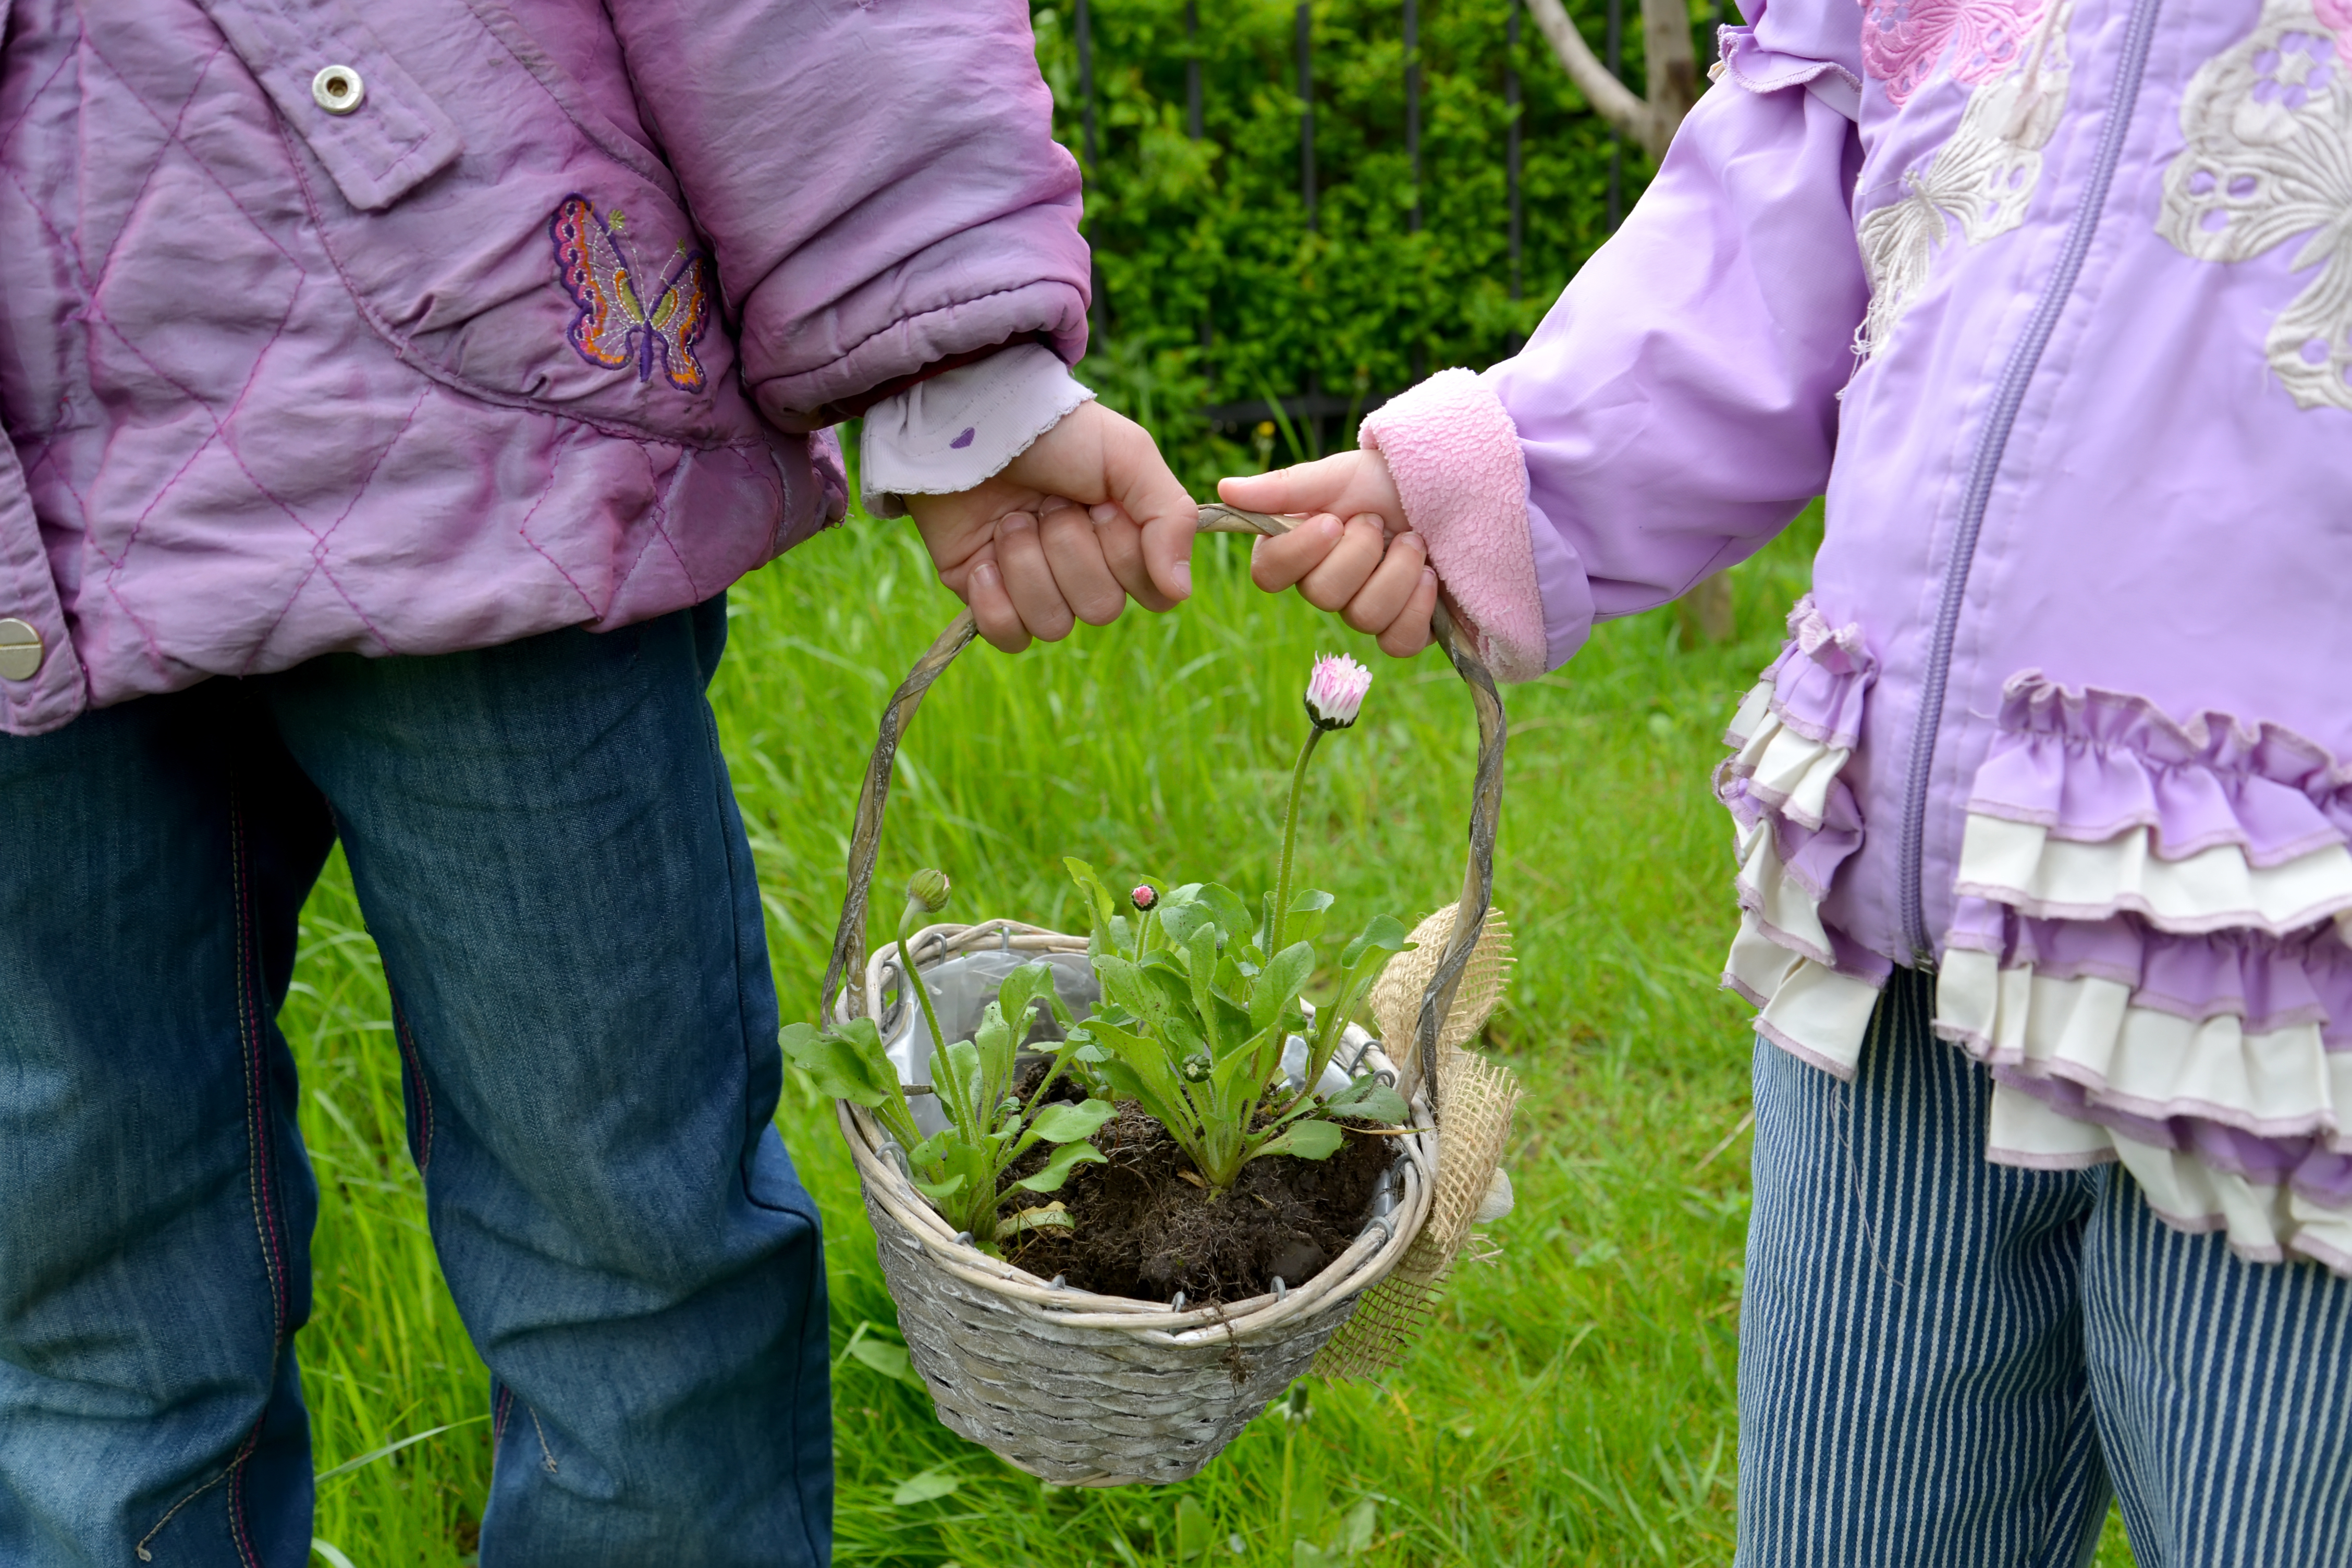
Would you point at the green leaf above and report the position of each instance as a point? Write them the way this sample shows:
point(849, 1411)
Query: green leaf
point(1382, 931)
point(847, 1063)
point(1194, 1534)
point(1182, 912)
point(955, 1078)
point(1309, 908)
point(1363, 1523)
point(1372, 1100)
point(993, 1037)
point(1248, 1068)
point(940, 1192)
point(1062, 1122)
point(891, 1361)
point(1097, 897)
point(926, 1486)
point(1226, 911)
point(1057, 1170)
point(1022, 990)
point(1053, 1216)
point(1306, 1141)
point(1279, 985)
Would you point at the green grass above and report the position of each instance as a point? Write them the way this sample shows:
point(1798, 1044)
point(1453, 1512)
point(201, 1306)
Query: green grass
point(1575, 1401)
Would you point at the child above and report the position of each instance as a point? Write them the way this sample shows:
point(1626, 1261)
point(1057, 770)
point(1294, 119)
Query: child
point(2043, 811)
point(491, 341)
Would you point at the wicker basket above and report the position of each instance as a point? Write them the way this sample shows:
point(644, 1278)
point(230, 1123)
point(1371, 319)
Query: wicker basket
point(1088, 1390)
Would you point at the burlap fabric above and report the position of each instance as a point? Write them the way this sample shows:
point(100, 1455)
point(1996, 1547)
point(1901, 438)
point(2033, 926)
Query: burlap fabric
point(1474, 1102)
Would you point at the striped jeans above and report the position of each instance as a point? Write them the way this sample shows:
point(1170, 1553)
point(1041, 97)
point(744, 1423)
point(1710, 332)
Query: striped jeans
point(1945, 1362)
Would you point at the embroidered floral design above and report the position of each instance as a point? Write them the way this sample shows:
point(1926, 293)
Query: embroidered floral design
point(1903, 41)
point(614, 327)
point(2269, 123)
point(1981, 180)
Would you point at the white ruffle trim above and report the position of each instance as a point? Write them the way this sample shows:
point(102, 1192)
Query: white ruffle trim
point(1805, 1007)
point(1788, 912)
point(2021, 864)
point(1783, 960)
point(1791, 772)
point(2264, 1222)
point(2280, 1083)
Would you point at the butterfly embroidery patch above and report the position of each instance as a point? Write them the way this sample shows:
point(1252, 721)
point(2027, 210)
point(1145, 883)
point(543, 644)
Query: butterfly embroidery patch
point(626, 319)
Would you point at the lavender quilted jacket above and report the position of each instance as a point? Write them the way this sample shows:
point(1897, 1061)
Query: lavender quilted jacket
point(2054, 299)
point(428, 325)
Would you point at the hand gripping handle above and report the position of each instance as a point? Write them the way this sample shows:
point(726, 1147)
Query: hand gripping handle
point(848, 961)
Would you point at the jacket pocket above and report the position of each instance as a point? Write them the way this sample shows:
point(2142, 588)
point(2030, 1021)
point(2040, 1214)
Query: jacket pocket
point(549, 264)
point(377, 132)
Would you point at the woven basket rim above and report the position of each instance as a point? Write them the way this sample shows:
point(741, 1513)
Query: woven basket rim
point(1376, 1251)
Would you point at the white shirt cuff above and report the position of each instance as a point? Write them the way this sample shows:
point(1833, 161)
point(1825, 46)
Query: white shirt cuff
point(948, 434)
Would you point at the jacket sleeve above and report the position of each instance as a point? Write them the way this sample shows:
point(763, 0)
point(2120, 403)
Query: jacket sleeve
point(879, 182)
point(1679, 404)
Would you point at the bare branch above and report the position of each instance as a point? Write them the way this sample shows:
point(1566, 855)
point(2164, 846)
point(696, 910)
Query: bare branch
point(1610, 99)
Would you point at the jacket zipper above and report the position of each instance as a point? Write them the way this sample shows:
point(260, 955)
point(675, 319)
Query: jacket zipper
point(2016, 376)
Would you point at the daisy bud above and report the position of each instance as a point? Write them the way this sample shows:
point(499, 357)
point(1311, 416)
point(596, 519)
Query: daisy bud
point(928, 889)
point(1336, 691)
point(1144, 895)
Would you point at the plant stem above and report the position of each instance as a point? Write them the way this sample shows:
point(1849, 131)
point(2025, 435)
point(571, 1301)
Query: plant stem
point(923, 995)
point(1280, 918)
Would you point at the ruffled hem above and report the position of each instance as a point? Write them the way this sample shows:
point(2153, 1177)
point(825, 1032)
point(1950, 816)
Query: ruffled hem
point(2150, 1063)
point(2148, 948)
point(2032, 868)
point(2267, 1216)
point(1796, 824)
point(2090, 764)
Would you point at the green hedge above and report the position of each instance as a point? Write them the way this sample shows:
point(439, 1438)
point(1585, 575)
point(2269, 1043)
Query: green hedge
point(1214, 230)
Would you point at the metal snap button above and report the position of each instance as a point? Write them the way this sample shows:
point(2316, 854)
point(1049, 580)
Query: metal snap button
point(338, 89)
point(20, 649)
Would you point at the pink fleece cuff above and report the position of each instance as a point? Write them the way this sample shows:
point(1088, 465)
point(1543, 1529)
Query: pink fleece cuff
point(1454, 455)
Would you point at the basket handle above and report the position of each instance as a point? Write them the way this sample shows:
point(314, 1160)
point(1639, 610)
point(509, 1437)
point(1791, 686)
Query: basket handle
point(848, 960)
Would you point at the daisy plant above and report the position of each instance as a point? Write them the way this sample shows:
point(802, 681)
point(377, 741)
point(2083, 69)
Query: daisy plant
point(961, 1169)
point(1199, 998)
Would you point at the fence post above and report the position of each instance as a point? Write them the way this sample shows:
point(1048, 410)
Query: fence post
point(1412, 108)
point(1511, 154)
point(1307, 111)
point(1095, 312)
point(1615, 60)
point(1193, 68)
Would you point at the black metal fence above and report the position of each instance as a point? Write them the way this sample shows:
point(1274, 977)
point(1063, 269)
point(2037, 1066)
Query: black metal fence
point(1277, 320)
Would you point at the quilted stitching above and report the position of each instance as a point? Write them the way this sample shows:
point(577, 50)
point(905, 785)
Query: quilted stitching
point(196, 517)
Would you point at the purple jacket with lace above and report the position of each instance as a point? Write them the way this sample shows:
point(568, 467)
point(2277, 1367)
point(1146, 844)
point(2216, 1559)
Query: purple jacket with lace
point(2054, 298)
point(429, 324)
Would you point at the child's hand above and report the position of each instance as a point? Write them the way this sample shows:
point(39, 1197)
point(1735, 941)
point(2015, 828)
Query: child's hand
point(1088, 515)
point(1369, 568)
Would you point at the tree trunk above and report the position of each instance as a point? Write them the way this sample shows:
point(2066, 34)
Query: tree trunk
point(1650, 121)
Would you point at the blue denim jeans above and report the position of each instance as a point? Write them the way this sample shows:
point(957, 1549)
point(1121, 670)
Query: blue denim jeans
point(550, 858)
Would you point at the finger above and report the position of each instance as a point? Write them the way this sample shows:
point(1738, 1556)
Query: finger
point(1122, 548)
point(1140, 483)
point(1345, 483)
point(1074, 555)
point(1409, 633)
point(993, 611)
point(1338, 577)
point(1278, 561)
point(1093, 455)
point(1391, 587)
point(1029, 580)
